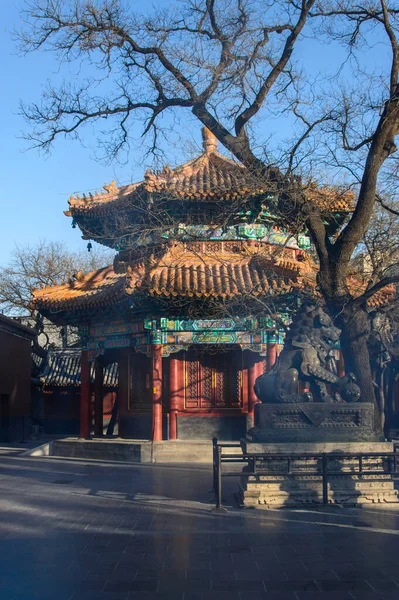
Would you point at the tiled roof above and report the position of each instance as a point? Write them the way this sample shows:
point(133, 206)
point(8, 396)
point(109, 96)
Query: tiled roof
point(380, 298)
point(330, 199)
point(111, 198)
point(97, 288)
point(62, 368)
point(223, 276)
point(211, 176)
point(179, 272)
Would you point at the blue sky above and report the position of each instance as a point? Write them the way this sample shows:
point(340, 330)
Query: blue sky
point(34, 189)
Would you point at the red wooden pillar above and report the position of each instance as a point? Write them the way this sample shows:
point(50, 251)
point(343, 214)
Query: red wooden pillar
point(156, 372)
point(85, 395)
point(99, 397)
point(244, 380)
point(271, 354)
point(123, 390)
point(255, 369)
point(175, 391)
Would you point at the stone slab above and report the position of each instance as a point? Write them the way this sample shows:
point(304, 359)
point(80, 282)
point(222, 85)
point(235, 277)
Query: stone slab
point(314, 422)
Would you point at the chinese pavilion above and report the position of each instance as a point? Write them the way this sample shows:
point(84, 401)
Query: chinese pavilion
point(200, 256)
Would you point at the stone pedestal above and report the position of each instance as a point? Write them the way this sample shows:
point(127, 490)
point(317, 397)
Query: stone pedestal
point(282, 429)
point(279, 491)
point(314, 422)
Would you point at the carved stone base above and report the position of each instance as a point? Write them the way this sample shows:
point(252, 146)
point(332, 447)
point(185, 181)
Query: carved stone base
point(279, 491)
point(313, 422)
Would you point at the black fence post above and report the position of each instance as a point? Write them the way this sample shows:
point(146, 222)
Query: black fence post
point(219, 503)
point(219, 478)
point(325, 479)
point(214, 454)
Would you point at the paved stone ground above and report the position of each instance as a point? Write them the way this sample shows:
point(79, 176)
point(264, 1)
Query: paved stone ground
point(88, 530)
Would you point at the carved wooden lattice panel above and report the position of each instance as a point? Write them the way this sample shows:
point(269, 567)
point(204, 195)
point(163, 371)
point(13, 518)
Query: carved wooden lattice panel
point(235, 376)
point(206, 382)
point(191, 380)
point(213, 380)
point(222, 378)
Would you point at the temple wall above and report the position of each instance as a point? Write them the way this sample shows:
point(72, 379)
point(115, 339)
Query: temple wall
point(61, 409)
point(225, 428)
point(15, 387)
point(189, 427)
point(139, 426)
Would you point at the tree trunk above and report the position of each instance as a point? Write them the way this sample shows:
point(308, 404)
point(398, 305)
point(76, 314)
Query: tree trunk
point(381, 399)
point(354, 323)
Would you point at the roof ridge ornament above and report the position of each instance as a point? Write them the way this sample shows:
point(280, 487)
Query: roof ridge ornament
point(210, 142)
point(74, 198)
point(111, 188)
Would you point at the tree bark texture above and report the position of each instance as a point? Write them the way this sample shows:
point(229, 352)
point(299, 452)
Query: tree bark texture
point(354, 323)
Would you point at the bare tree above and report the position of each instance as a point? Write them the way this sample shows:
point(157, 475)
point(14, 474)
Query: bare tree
point(45, 264)
point(31, 267)
point(232, 64)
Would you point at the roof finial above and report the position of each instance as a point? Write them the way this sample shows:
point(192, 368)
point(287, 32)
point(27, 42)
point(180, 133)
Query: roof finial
point(210, 142)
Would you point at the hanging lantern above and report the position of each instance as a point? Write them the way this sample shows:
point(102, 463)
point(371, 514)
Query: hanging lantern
point(89, 246)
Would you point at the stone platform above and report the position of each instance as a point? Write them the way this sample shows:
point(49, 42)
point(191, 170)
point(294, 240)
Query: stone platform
point(278, 491)
point(132, 451)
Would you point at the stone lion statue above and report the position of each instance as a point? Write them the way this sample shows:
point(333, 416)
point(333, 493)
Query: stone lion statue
point(305, 358)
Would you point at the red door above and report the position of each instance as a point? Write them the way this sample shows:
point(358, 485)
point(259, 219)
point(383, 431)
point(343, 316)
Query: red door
point(213, 381)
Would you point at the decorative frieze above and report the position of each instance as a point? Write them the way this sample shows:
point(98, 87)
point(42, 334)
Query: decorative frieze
point(182, 333)
point(268, 233)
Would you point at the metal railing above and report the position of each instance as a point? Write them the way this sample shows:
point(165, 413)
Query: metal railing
point(389, 466)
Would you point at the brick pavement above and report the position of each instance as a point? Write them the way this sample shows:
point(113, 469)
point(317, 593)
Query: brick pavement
point(87, 530)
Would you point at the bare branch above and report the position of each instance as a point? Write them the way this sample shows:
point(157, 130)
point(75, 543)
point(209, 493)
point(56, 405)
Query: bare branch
point(386, 207)
point(383, 283)
point(251, 111)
